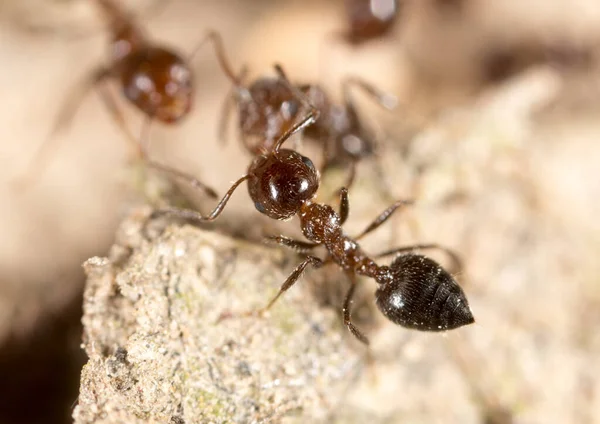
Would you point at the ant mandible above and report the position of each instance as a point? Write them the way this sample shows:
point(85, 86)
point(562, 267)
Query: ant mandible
point(268, 107)
point(414, 291)
point(155, 79)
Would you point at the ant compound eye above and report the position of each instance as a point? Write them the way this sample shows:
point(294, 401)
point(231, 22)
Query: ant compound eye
point(259, 207)
point(421, 295)
point(308, 163)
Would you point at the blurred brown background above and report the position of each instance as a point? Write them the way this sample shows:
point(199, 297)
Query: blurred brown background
point(499, 106)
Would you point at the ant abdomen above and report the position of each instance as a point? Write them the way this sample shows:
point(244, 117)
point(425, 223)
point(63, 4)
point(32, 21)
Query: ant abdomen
point(158, 82)
point(423, 296)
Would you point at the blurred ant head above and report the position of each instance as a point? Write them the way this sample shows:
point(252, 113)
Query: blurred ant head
point(158, 82)
point(281, 182)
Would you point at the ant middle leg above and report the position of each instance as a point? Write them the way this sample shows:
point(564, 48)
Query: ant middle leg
point(347, 312)
point(383, 217)
point(291, 280)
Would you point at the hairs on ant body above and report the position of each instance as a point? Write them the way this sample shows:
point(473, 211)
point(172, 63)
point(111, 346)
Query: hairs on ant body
point(414, 291)
point(155, 79)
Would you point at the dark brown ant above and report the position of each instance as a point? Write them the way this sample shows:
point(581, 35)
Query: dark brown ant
point(155, 79)
point(414, 291)
point(268, 107)
point(369, 19)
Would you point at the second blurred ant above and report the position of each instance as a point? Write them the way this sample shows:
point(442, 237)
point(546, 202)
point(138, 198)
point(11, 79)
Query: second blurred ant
point(155, 79)
point(414, 291)
point(268, 107)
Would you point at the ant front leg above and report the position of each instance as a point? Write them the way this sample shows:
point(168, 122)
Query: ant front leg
point(346, 311)
point(191, 215)
point(344, 205)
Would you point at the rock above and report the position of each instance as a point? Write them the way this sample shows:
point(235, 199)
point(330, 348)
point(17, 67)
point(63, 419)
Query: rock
point(157, 354)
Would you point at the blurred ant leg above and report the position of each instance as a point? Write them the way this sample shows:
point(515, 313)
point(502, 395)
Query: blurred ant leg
point(111, 104)
point(296, 92)
point(144, 145)
point(297, 245)
point(228, 104)
point(194, 182)
point(193, 215)
point(65, 116)
point(346, 311)
point(351, 177)
point(385, 100)
point(455, 268)
point(305, 122)
point(215, 38)
point(310, 260)
point(344, 205)
point(383, 217)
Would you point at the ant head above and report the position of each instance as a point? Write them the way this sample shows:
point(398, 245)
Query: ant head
point(158, 82)
point(419, 294)
point(281, 182)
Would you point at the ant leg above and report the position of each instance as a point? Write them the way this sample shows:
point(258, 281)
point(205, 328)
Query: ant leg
point(455, 268)
point(310, 260)
point(297, 245)
point(383, 217)
point(346, 311)
point(111, 104)
point(193, 215)
point(192, 181)
point(296, 92)
point(344, 205)
point(64, 118)
point(351, 175)
point(214, 37)
point(385, 100)
point(144, 145)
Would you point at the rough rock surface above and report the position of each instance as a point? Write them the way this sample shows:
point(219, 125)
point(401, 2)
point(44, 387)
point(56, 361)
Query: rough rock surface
point(158, 355)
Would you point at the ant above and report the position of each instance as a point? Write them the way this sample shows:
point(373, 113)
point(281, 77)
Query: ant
point(155, 79)
point(369, 19)
point(268, 107)
point(414, 291)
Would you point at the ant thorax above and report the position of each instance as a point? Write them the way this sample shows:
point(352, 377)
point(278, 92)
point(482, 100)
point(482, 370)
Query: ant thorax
point(281, 182)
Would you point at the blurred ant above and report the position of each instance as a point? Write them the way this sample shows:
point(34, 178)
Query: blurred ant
point(268, 107)
point(155, 79)
point(414, 291)
point(369, 19)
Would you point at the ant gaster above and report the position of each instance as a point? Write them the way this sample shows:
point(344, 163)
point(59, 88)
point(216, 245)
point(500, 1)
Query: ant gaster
point(268, 107)
point(414, 291)
point(155, 79)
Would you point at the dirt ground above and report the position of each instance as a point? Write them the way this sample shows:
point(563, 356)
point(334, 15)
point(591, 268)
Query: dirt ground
point(496, 137)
